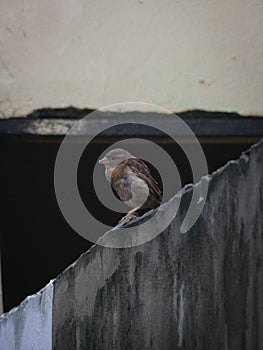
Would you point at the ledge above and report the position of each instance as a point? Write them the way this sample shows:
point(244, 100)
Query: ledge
point(51, 123)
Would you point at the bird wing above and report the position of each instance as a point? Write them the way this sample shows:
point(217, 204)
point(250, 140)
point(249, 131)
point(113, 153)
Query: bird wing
point(135, 170)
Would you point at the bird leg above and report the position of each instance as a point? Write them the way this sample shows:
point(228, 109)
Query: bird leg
point(130, 214)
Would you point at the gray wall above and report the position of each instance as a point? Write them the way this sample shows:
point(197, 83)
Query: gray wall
point(28, 327)
point(199, 290)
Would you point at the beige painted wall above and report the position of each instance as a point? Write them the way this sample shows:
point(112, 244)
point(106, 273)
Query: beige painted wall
point(89, 53)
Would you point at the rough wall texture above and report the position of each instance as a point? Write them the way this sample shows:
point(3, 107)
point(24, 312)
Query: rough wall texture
point(177, 54)
point(199, 290)
point(28, 327)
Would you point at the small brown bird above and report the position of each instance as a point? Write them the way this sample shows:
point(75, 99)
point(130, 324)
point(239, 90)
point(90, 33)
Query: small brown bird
point(130, 177)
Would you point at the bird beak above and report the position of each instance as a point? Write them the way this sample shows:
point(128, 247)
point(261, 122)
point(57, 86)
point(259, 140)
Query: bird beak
point(103, 160)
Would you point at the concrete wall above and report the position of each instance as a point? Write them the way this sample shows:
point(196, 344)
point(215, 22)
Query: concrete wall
point(29, 326)
point(177, 54)
point(199, 290)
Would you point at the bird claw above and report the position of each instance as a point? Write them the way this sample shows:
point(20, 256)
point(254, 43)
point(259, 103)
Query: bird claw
point(128, 216)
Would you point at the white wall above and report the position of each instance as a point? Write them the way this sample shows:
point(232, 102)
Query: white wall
point(89, 53)
point(29, 326)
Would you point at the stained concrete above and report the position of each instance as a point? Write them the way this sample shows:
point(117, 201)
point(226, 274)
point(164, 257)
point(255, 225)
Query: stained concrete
point(28, 327)
point(177, 54)
point(198, 290)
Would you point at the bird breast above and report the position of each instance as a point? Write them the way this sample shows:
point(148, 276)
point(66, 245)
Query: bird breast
point(138, 190)
point(132, 190)
point(135, 186)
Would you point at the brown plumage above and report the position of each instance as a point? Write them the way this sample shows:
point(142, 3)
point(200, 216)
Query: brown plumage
point(131, 178)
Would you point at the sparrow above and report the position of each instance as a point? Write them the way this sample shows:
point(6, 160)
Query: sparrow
point(131, 179)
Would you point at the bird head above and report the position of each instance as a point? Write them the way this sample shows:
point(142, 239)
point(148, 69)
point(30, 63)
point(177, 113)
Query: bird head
point(114, 157)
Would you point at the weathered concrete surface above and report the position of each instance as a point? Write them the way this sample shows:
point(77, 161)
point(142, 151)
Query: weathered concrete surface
point(177, 54)
point(28, 327)
point(199, 290)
